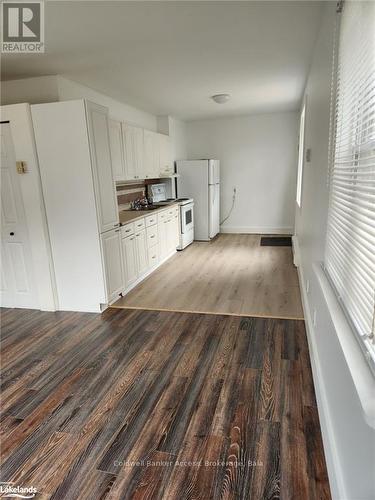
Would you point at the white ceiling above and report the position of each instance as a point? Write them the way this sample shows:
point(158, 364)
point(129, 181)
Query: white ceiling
point(170, 57)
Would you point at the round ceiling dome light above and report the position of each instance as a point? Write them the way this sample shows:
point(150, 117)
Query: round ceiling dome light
point(220, 98)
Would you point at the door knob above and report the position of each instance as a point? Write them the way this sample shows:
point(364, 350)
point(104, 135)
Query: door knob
point(11, 234)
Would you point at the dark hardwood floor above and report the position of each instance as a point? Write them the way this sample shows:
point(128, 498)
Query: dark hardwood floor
point(147, 404)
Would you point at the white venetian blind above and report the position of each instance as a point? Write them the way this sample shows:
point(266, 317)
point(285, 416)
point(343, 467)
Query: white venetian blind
point(350, 246)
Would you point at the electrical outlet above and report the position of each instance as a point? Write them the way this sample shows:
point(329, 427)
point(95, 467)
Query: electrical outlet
point(307, 286)
point(314, 317)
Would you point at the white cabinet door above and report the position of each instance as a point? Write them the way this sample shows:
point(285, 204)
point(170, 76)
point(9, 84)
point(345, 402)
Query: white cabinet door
point(165, 155)
point(132, 138)
point(172, 228)
point(176, 231)
point(148, 154)
point(151, 154)
point(129, 152)
point(105, 190)
point(156, 155)
point(111, 248)
point(142, 254)
point(117, 154)
point(129, 254)
point(138, 148)
point(163, 239)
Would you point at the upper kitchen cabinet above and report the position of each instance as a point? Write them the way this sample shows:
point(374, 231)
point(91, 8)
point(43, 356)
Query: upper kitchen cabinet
point(105, 190)
point(166, 166)
point(117, 152)
point(151, 154)
point(133, 151)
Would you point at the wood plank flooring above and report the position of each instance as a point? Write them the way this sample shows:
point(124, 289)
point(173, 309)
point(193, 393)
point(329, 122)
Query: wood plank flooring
point(155, 405)
point(232, 274)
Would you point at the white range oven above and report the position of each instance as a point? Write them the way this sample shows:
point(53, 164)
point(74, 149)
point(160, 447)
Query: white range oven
point(186, 222)
point(158, 194)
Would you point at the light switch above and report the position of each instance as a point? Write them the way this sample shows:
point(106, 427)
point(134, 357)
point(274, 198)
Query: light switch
point(21, 167)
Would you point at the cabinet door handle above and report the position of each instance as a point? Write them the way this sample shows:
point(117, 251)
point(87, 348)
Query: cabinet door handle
point(117, 230)
point(116, 225)
point(152, 236)
point(127, 230)
point(137, 234)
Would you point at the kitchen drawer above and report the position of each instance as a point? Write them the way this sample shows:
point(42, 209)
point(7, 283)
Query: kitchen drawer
point(173, 210)
point(153, 256)
point(151, 220)
point(162, 216)
point(139, 224)
point(152, 236)
point(127, 230)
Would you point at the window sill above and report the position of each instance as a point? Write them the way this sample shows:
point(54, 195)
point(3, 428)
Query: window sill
point(359, 369)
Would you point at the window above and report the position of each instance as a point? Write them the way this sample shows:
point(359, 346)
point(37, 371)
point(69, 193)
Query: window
point(350, 245)
point(301, 148)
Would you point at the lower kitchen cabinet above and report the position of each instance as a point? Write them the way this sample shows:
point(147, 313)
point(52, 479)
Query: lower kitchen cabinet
point(175, 231)
point(163, 238)
point(112, 257)
point(153, 256)
point(147, 242)
point(141, 249)
point(129, 254)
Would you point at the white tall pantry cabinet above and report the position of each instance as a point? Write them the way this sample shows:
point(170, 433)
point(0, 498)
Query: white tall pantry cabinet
point(73, 145)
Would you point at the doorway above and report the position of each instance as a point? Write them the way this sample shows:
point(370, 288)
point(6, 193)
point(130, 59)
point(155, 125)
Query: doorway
point(17, 288)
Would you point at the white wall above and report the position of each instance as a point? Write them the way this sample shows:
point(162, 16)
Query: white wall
point(42, 89)
point(348, 439)
point(258, 156)
point(69, 89)
point(177, 132)
point(30, 90)
point(58, 88)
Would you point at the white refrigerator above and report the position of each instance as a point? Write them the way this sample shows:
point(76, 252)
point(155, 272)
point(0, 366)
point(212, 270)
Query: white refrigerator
point(200, 179)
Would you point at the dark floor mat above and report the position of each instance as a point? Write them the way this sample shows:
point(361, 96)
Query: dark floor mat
point(275, 241)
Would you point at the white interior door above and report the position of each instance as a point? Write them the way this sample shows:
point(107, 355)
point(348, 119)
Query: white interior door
point(17, 279)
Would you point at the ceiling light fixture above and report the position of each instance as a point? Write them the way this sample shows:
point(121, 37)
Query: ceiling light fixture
point(220, 98)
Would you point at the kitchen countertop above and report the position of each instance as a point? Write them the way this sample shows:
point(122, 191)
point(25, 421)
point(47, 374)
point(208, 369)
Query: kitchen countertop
point(126, 216)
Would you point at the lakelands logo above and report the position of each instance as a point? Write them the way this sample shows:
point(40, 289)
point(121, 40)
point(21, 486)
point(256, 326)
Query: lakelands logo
point(8, 489)
point(22, 27)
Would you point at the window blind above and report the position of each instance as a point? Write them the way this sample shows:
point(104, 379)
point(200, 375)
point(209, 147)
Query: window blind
point(350, 244)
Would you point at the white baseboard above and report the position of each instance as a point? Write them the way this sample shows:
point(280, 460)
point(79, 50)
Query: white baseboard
point(330, 450)
point(256, 230)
